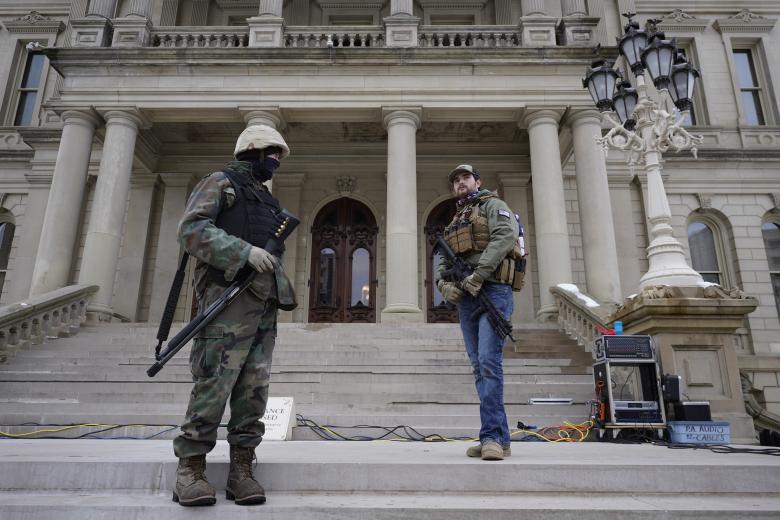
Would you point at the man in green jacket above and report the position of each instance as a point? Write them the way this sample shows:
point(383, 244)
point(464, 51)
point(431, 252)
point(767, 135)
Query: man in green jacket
point(484, 232)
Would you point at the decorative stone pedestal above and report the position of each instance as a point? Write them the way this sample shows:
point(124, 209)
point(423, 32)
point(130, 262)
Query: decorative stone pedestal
point(266, 31)
point(90, 32)
point(538, 31)
point(131, 32)
point(578, 31)
point(401, 31)
point(693, 329)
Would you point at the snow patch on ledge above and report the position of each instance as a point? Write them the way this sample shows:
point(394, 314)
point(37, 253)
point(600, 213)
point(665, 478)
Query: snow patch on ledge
point(570, 287)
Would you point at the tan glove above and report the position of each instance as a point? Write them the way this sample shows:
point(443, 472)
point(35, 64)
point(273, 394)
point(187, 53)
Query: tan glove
point(450, 292)
point(472, 285)
point(261, 260)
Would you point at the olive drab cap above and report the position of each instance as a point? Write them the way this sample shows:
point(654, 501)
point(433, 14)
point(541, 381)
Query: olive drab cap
point(463, 168)
point(257, 137)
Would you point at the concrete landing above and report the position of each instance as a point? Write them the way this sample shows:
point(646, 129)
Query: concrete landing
point(117, 480)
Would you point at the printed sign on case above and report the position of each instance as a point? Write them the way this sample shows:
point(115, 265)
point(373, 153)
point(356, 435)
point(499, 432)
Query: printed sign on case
point(278, 419)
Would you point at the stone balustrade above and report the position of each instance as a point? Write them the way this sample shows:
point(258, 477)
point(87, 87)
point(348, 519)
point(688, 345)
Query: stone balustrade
point(469, 36)
point(342, 36)
point(580, 317)
point(204, 37)
point(50, 315)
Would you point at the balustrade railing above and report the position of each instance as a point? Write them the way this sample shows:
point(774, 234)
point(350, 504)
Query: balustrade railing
point(579, 316)
point(331, 37)
point(205, 37)
point(469, 36)
point(47, 316)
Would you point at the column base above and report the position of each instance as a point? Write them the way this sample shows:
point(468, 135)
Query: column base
point(131, 32)
point(547, 314)
point(538, 31)
point(401, 31)
point(266, 31)
point(402, 313)
point(578, 31)
point(90, 32)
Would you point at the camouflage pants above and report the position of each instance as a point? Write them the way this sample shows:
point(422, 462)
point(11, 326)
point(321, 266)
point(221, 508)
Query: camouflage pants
point(231, 357)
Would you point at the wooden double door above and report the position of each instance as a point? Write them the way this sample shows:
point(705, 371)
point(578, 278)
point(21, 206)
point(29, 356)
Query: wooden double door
point(343, 281)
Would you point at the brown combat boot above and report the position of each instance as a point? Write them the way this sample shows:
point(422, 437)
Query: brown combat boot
point(476, 451)
point(241, 485)
point(192, 488)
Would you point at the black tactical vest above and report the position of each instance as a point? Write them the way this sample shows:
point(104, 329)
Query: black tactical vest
point(253, 215)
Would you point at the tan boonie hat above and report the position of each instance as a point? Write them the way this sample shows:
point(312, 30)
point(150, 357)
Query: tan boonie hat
point(257, 137)
point(463, 168)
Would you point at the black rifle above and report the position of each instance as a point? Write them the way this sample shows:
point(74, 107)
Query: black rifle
point(458, 271)
point(274, 245)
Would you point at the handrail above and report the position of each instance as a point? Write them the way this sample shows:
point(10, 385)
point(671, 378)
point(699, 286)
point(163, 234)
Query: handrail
point(579, 316)
point(46, 316)
point(469, 36)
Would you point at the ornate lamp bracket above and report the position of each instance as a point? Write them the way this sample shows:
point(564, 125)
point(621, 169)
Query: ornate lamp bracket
point(621, 139)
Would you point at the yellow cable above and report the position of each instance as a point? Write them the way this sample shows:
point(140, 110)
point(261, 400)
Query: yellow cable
point(73, 426)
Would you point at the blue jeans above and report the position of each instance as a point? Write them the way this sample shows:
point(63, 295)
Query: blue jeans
point(485, 351)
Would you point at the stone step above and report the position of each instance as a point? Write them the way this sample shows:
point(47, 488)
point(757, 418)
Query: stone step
point(383, 506)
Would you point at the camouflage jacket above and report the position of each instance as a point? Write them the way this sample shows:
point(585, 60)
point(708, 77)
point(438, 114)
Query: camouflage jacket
point(214, 247)
point(504, 231)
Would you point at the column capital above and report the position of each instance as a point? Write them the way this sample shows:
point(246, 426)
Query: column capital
point(86, 117)
point(128, 116)
point(289, 180)
point(263, 115)
point(410, 115)
point(533, 117)
point(584, 116)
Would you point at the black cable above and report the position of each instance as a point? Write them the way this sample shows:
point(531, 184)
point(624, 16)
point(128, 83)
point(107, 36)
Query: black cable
point(404, 432)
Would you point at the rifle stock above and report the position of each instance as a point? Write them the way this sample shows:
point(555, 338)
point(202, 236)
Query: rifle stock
point(273, 246)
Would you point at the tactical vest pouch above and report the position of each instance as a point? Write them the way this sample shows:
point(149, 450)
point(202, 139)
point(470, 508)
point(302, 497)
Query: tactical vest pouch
point(505, 271)
point(519, 279)
point(470, 235)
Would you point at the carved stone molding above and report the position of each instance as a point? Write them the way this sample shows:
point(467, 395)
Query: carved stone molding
point(745, 22)
point(680, 21)
point(34, 23)
point(705, 200)
point(346, 184)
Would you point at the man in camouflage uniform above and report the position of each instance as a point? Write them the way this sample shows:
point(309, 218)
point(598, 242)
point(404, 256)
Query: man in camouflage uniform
point(229, 217)
point(492, 232)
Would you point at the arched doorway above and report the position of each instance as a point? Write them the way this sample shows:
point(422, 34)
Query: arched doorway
point(343, 264)
point(439, 311)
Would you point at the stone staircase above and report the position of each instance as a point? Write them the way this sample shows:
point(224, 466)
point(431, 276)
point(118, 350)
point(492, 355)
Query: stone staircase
point(342, 375)
point(349, 375)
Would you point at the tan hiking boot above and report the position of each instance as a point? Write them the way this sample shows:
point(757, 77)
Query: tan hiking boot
point(476, 451)
point(192, 488)
point(241, 485)
point(492, 451)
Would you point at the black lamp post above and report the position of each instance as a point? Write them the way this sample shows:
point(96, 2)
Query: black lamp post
point(600, 81)
point(657, 59)
point(632, 43)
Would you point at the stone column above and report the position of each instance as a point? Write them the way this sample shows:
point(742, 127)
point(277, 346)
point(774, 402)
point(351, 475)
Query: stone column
point(200, 13)
point(550, 225)
point(574, 8)
point(101, 249)
point(63, 209)
point(32, 223)
point(514, 189)
point(401, 7)
point(534, 7)
point(401, 279)
point(271, 8)
point(135, 28)
point(598, 233)
point(131, 259)
point(142, 8)
point(177, 188)
point(288, 191)
point(503, 12)
point(269, 116)
point(102, 8)
point(170, 10)
point(267, 29)
point(621, 187)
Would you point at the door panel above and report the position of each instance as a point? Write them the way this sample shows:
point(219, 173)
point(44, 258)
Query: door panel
point(343, 270)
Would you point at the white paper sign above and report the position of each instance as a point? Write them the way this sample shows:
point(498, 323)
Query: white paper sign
point(279, 417)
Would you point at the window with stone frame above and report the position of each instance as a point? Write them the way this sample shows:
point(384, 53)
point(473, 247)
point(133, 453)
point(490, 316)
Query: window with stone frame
point(28, 83)
point(7, 229)
point(705, 245)
point(750, 80)
point(771, 233)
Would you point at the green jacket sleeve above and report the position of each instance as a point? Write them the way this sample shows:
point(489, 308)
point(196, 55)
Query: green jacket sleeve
point(504, 231)
point(200, 236)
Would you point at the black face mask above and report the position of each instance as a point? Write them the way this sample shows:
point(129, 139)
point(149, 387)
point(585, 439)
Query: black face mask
point(262, 170)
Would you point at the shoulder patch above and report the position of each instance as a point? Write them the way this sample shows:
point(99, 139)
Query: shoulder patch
point(504, 213)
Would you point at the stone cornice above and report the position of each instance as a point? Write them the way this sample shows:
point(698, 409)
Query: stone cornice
point(745, 22)
point(453, 4)
point(34, 23)
point(680, 21)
